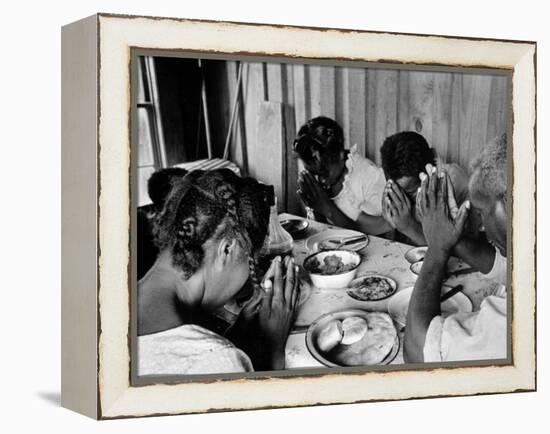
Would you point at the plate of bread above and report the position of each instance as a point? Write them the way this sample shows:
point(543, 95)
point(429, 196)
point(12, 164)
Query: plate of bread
point(353, 337)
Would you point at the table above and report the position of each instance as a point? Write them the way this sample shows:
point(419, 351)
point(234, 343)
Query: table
point(381, 256)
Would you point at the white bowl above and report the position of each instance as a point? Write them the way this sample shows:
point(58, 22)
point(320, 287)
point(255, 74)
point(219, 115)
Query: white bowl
point(416, 267)
point(339, 280)
point(453, 265)
point(416, 254)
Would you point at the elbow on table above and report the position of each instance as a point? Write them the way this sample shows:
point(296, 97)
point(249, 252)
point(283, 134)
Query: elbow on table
point(372, 225)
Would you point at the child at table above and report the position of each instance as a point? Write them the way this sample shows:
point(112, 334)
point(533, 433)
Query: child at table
point(405, 156)
point(339, 185)
point(208, 231)
point(159, 186)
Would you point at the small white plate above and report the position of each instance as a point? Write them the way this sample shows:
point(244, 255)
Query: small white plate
point(314, 242)
point(416, 254)
point(399, 304)
point(453, 265)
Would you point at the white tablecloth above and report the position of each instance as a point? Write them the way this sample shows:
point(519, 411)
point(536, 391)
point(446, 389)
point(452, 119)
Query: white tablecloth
point(381, 256)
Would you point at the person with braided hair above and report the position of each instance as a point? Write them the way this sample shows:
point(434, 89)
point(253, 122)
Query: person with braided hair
point(208, 233)
point(158, 187)
point(339, 185)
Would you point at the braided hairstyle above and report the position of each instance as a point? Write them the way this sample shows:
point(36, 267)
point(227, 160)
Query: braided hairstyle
point(211, 205)
point(160, 184)
point(322, 135)
point(405, 154)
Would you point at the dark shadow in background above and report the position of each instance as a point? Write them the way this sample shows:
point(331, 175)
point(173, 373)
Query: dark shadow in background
point(52, 398)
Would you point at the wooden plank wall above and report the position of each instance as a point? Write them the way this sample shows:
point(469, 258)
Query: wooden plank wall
point(146, 159)
point(457, 113)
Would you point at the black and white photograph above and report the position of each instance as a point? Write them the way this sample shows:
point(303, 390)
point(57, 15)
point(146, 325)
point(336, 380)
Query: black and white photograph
point(297, 216)
point(275, 217)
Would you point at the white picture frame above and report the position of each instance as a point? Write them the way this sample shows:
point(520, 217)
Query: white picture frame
point(96, 181)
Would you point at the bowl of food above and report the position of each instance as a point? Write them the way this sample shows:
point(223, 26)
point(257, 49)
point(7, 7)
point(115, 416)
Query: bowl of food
point(353, 337)
point(372, 287)
point(332, 268)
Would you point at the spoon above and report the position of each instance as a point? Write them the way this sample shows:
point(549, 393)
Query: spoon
point(336, 244)
point(449, 294)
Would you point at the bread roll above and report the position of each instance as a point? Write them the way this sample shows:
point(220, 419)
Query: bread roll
point(353, 329)
point(330, 336)
point(373, 347)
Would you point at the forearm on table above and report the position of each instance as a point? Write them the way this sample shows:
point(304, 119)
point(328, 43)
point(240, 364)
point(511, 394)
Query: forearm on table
point(372, 224)
point(424, 304)
point(365, 223)
point(479, 254)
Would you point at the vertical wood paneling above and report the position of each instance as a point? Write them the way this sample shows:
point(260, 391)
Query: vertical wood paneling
point(371, 145)
point(385, 116)
point(403, 118)
point(421, 86)
point(236, 150)
point(474, 116)
point(274, 79)
point(292, 200)
point(253, 97)
point(242, 141)
point(457, 113)
point(302, 105)
point(288, 85)
point(322, 85)
point(314, 79)
point(341, 102)
point(272, 168)
point(327, 89)
point(280, 85)
point(466, 118)
point(357, 108)
point(453, 150)
point(498, 107)
point(441, 122)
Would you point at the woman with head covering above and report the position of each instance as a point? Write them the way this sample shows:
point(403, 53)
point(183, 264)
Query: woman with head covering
point(208, 232)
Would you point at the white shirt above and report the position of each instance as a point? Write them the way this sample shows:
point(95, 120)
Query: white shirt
point(189, 349)
point(499, 272)
point(362, 188)
point(463, 336)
